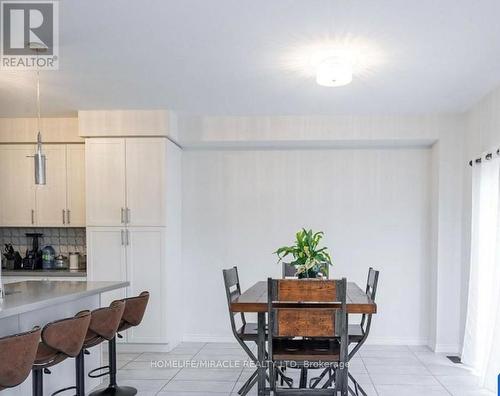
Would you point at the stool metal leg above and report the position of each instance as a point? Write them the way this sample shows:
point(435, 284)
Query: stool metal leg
point(80, 374)
point(37, 382)
point(113, 389)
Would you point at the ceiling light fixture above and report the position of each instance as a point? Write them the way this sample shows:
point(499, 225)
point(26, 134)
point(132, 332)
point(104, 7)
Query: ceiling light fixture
point(334, 72)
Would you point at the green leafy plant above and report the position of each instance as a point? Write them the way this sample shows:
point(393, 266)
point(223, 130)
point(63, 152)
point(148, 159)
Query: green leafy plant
point(308, 258)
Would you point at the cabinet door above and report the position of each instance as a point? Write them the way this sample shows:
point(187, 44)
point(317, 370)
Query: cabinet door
point(75, 185)
point(146, 270)
point(17, 194)
point(146, 170)
point(105, 181)
point(106, 259)
point(51, 197)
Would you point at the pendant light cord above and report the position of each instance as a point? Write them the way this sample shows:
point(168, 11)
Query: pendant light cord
point(38, 98)
point(38, 92)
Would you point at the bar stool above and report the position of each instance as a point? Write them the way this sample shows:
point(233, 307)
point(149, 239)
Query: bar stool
point(17, 354)
point(135, 307)
point(103, 325)
point(60, 339)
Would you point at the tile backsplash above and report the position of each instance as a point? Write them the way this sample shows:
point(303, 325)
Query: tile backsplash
point(63, 240)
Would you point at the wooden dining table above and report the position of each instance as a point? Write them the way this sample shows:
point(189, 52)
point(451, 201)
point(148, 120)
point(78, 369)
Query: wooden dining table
point(254, 300)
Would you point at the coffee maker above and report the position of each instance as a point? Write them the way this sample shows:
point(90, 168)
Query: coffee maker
point(33, 259)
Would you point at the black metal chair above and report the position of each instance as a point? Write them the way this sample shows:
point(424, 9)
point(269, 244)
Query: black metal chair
point(358, 333)
point(245, 332)
point(308, 329)
point(288, 270)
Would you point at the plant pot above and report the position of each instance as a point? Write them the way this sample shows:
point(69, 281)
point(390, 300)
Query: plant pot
point(309, 274)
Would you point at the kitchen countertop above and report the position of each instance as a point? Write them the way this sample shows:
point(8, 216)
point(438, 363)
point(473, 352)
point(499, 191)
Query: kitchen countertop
point(46, 273)
point(26, 296)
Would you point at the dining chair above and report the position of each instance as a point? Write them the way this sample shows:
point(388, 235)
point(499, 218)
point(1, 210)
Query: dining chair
point(246, 331)
point(358, 333)
point(308, 329)
point(288, 270)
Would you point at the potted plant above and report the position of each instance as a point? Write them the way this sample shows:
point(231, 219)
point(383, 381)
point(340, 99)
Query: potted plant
point(309, 258)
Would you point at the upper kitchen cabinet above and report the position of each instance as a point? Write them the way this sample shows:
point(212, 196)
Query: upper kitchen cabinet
point(146, 173)
point(58, 203)
point(17, 195)
point(105, 181)
point(51, 197)
point(75, 185)
point(126, 181)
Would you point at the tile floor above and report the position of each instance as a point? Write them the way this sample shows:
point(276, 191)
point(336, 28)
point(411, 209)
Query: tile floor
point(381, 370)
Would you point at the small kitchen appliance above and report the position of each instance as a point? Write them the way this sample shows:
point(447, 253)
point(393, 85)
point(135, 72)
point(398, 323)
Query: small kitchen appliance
point(74, 261)
point(33, 259)
point(61, 262)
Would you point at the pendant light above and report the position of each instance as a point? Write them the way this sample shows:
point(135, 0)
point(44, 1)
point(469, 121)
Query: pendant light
point(39, 157)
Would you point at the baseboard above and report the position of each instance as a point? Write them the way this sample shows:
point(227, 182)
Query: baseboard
point(396, 341)
point(138, 348)
point(448, 348)
point(207, 338)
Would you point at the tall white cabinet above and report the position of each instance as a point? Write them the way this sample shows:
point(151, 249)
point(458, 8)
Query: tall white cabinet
point(126, 184)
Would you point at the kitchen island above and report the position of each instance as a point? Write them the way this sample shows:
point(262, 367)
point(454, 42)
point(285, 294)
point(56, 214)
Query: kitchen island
point(31, 303)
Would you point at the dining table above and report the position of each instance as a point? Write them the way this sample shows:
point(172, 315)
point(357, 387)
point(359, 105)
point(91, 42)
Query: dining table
point(254, 300)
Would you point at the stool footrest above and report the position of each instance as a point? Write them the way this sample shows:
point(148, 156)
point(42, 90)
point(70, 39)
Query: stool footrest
point(63, 390)
point(92, 375)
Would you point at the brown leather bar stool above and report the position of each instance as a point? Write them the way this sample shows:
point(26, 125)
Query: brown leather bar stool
point(60, 340)
point(135, 307)
point(17, 354)
point(103, 325)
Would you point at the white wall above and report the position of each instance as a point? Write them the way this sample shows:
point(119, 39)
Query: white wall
point(373, 204)
point(444, 185)
point(173, 244)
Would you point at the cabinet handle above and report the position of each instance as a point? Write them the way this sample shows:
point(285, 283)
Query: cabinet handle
point(68, 215)
point(122, 215)
point(123, 239)
point(32, 216)
point(63, 217)
point(128, 237)
point(128, 215)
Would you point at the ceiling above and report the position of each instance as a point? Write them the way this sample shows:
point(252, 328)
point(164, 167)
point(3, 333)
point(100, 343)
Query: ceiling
point(249, 57)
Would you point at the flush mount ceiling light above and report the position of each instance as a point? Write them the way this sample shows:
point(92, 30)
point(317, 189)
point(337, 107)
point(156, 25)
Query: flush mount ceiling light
point(334, 72)
point(333, 62)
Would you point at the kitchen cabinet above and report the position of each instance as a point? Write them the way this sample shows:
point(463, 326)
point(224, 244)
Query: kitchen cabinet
point(146, 169)
point(146, 268)
point(75, 185)
point(131, 183)
point(51, 197)
point(126, 181)
point(106, 259)
point(17, 195)
point(58, 203)
point(136, 254)
point(105, 181)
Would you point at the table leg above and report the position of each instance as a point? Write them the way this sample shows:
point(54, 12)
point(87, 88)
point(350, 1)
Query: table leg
point(261, 352)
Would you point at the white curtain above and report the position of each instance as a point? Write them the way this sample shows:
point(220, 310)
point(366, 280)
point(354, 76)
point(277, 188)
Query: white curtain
point(482, 333)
